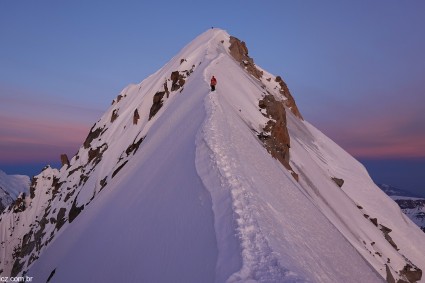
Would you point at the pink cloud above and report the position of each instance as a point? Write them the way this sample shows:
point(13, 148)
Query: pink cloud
point(27, 140)
point(393, 132)
point(38, 128)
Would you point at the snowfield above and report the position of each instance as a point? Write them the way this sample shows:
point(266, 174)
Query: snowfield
point(201, 200)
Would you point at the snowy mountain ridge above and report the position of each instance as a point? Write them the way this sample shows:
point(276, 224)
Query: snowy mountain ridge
point(393, 191)
point(177, 183)
point(11, 186)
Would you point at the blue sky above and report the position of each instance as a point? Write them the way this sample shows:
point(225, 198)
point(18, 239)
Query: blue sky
point(355, 68)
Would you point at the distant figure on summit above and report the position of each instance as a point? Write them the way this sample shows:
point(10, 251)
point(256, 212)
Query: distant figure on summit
point(213, 83)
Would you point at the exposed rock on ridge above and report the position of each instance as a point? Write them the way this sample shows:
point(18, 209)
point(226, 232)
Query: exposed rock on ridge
point(290, 102)
point(239, 51)
point(275, 136)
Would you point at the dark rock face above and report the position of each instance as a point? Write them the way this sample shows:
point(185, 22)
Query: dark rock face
point(119, 169)
point(386, 231)
point(411, 273)
point(51, 275)
point(275, 136)
point(166, 89)
point(74, 211)
point(114, 115)
point(19, 204)
point(239, 52)
point(375, 222)
point(338, 182)
point(64, 159)
point(290, 102)
point(31, 240)
point(92, 135)
point(178, 80)
point(390, 277)
point(134, 146)
point(95, 155)
point(157, 103)
point(136, 117)
point(60, 218)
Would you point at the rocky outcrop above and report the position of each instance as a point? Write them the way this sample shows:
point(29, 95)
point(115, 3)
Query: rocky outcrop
point(119, 168)
point(289, 102)
point(157, 103)
point(239, 52)
point(390, 277)
point(338, 182)
point(166, 89)
point(386, 231)
point(94, 134)
point(114, 115)
point(51, 275)
point(19, 204)
point(136, 117)
point(132, 148)
point(178, 80)
point(411, 273)
point(64, 160)
point(75, 210)
point(275, 134)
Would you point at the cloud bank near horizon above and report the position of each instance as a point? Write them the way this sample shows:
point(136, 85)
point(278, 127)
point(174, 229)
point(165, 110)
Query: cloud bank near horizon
point(40, 130)
point(37, 131)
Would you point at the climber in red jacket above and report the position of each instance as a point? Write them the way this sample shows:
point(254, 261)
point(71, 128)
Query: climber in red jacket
point(213, 83)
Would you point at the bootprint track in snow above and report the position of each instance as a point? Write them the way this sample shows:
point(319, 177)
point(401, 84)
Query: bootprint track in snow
point(258, 261)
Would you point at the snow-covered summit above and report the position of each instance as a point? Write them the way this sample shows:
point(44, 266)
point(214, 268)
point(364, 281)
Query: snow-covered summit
point(176, 183)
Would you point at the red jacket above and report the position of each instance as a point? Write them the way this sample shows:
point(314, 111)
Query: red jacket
point(213, 81)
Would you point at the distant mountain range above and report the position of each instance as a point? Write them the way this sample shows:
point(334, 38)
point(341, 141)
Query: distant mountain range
point(393, 191)
point(411, 205)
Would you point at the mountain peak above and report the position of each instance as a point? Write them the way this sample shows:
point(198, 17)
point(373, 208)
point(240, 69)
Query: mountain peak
point(230, 185)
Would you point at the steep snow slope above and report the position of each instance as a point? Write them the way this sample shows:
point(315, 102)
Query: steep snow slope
point(190, 193)
point(318, 160)
point(413, 206)
point(176, 236)
point(10, 188)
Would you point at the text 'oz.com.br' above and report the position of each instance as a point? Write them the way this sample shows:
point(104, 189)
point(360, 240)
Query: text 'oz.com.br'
point(16, 279)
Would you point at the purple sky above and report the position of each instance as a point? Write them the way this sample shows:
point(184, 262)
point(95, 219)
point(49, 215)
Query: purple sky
point(355, 68)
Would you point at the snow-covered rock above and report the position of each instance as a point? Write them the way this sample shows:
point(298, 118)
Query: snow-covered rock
point(193, 193)
point(11, 186)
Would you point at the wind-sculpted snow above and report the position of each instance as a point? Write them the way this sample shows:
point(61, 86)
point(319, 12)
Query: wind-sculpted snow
point(188, 192)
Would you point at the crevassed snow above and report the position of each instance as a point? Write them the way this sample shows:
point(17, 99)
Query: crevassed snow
point(203, 201)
